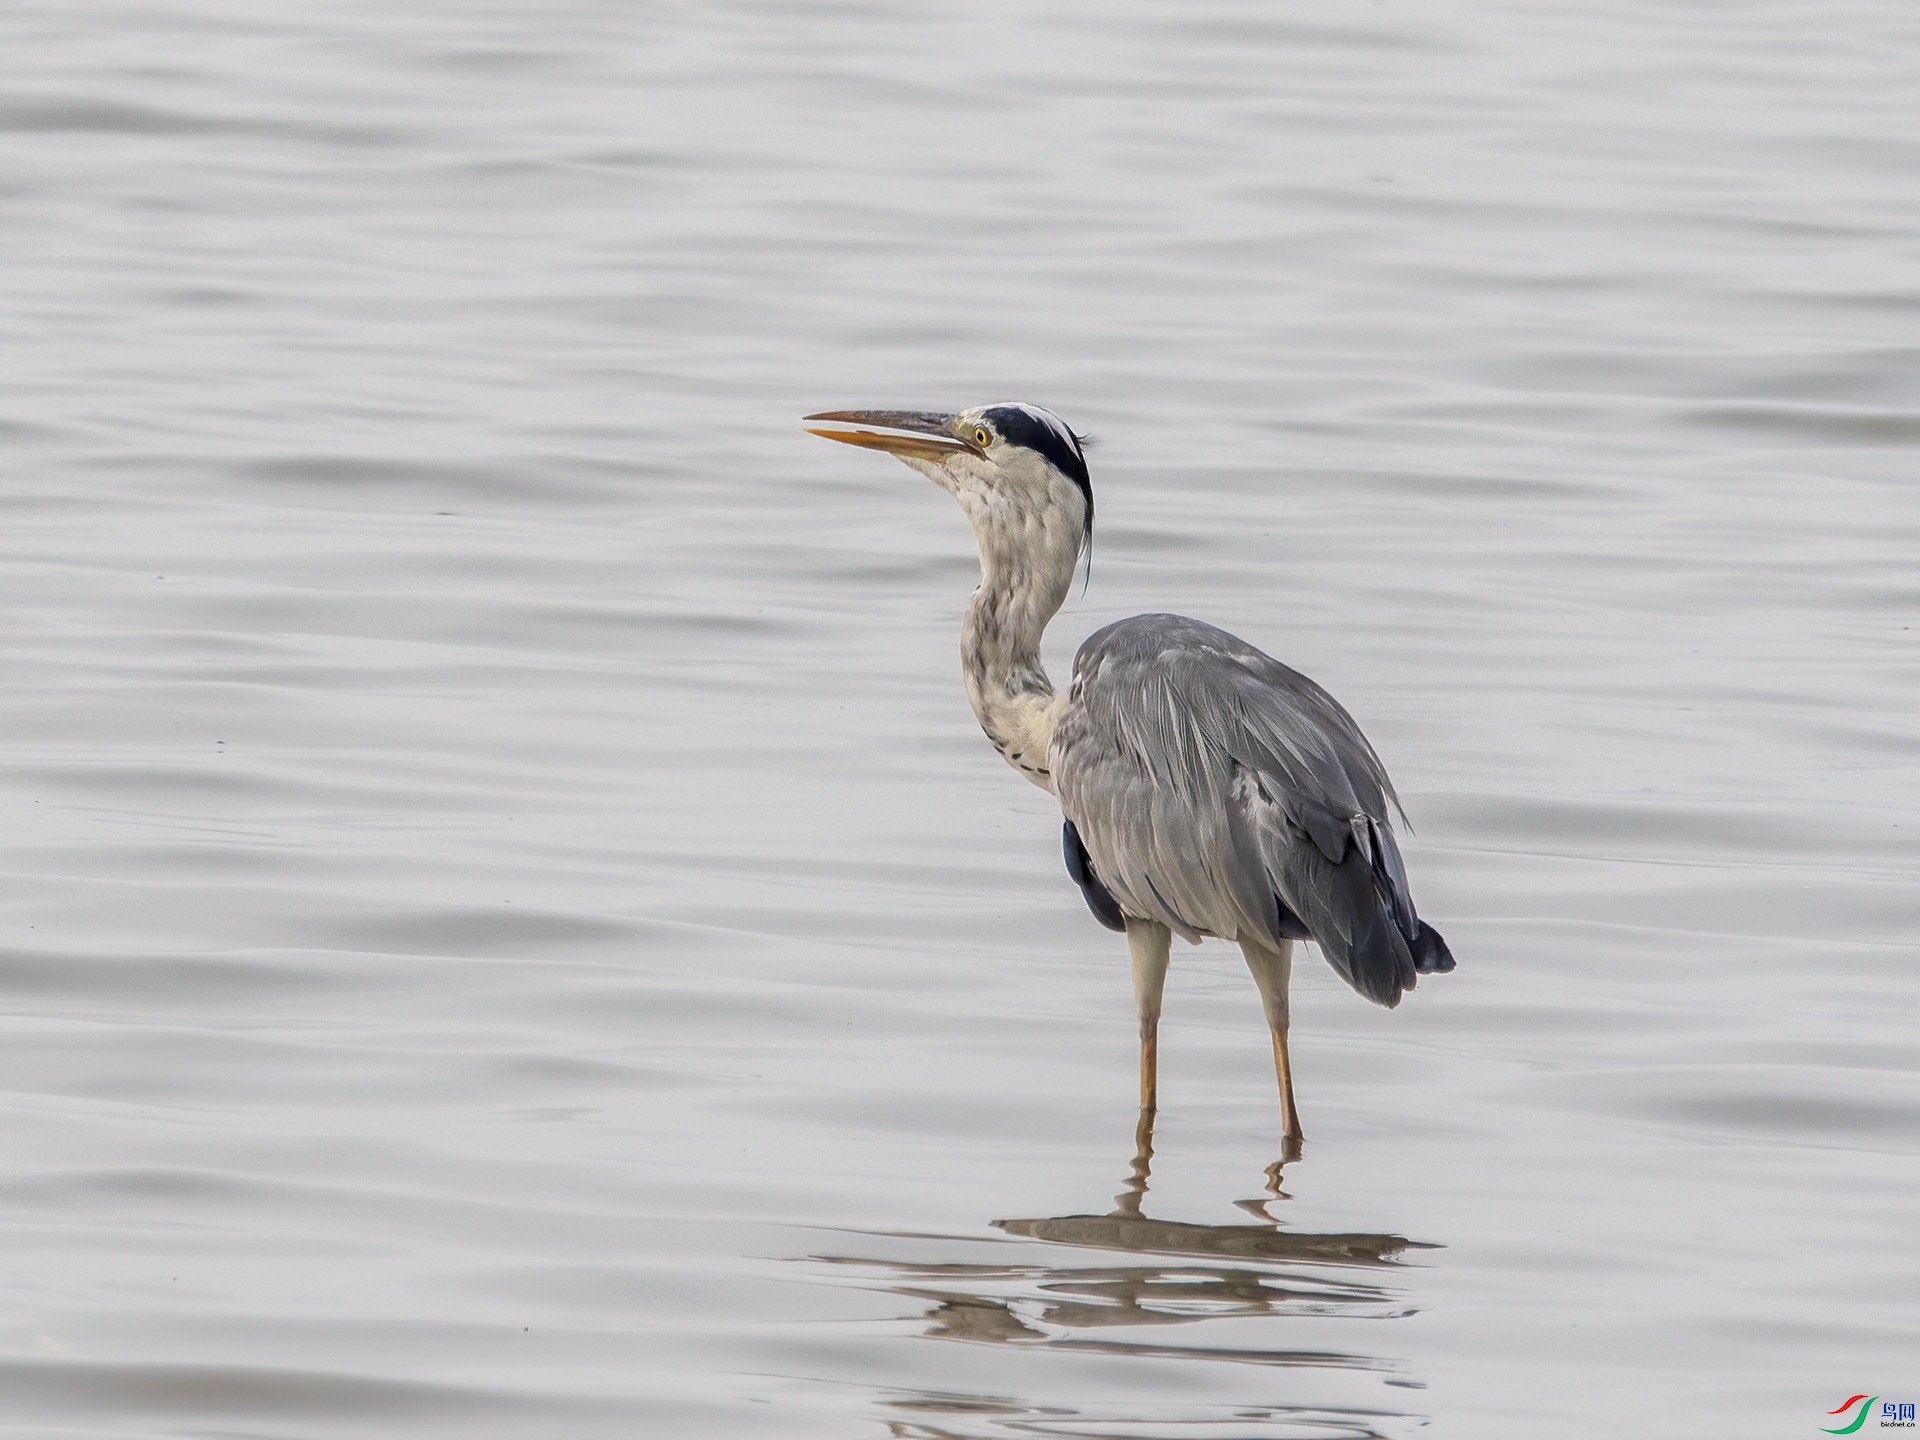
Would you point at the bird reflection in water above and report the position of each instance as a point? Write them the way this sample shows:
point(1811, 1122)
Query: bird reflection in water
point(1184, 1273)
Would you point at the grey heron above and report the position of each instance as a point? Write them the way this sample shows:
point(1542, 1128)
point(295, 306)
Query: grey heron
point(1208, 790)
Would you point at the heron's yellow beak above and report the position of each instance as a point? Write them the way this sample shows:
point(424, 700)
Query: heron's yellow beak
point(919, 434)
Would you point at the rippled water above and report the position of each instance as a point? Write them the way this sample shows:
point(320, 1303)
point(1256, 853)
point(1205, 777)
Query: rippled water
point(512, 929)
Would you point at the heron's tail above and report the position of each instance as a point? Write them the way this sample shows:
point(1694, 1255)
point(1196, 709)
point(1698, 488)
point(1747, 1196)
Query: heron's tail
point(1430, 953)
point(1361, 915)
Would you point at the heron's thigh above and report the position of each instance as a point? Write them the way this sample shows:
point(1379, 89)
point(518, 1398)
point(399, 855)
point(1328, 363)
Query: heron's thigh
point(1151, 945)
point(1273, 973)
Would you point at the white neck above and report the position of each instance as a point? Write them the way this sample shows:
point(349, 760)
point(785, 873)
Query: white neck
point(1026, 569)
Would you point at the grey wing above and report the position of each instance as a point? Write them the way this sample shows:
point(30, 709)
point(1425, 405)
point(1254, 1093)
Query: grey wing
point(1221, 793)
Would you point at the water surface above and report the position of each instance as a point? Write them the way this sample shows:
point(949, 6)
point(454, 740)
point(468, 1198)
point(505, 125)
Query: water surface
point(512, 929)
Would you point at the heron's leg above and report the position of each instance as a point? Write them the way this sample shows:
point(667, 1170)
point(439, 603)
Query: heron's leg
point(1273, 972)
point(1152, 945)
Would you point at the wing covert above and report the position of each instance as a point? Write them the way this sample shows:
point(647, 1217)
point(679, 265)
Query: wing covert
point(1220, 792)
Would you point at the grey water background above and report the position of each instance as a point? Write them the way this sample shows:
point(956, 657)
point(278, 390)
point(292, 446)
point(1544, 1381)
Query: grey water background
point(512, 930)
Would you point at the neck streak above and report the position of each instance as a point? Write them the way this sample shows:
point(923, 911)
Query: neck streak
point(1023, 581)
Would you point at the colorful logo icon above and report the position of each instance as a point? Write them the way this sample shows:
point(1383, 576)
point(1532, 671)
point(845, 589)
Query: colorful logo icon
point(1866, 1405)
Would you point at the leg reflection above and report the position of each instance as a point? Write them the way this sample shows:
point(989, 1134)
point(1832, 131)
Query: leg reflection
point(1127, 1202)
point(1290, 1147)
point(1129, 1285)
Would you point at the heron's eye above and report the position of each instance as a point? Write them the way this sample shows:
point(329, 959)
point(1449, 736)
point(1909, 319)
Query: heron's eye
point(982, 438)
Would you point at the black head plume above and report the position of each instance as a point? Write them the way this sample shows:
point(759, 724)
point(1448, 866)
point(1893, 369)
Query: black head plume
point(1047, 434)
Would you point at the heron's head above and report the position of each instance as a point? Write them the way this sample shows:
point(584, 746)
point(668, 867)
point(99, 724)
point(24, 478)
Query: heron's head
point(1014, 468)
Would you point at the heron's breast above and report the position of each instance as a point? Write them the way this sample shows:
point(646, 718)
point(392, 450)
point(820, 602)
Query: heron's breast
point(1022, 734)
